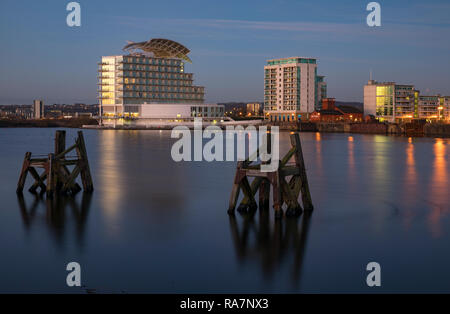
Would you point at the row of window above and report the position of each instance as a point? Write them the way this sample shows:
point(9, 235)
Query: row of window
point(154, 61)
point(204, 109)
point(162, 95)
point(158, 75)
point(162, 88)
point(155, 68)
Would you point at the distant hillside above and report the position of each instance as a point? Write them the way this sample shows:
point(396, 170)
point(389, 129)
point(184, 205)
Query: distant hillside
point(358, 105)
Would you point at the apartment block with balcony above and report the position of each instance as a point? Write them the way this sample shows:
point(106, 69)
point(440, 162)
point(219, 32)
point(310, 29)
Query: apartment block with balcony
point(434, 108)
point(292, 89)
point(390, 102)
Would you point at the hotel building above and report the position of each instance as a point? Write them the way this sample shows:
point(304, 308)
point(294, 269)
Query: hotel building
point(292, 88)
point(151, 84)
point(392, 102)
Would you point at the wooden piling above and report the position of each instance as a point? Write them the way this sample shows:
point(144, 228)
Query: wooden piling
point(86, 178)
point(284, 191)
point(57, 177)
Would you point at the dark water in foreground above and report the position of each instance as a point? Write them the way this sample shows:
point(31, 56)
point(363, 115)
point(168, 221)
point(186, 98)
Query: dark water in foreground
point(153, 225)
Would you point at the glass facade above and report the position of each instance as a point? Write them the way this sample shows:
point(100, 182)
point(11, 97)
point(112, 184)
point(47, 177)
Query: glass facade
point(385, 100)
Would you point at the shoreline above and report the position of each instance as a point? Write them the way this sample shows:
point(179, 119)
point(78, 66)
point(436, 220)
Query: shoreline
point(403, 129)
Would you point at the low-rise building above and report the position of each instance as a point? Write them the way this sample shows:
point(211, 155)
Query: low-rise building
point(332, 113)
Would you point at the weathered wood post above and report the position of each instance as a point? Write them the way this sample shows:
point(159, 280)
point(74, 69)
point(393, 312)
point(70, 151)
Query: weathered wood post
point(86, 178)
point(264, 187)
point(51, 176)
point(65, 185)
point(300, 163)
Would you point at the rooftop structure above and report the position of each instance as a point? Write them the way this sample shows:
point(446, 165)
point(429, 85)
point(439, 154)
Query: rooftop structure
point(160, 48)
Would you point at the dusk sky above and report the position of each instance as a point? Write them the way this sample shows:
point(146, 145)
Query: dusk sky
point(230, 41)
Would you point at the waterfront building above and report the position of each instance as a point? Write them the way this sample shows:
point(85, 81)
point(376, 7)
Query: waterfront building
point(38, 109)
point(434, 108)
point(292, 88)
point(150, 82)
point(392, 102)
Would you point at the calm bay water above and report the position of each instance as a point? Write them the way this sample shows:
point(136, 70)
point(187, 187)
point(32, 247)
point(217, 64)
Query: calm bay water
point(153, 225)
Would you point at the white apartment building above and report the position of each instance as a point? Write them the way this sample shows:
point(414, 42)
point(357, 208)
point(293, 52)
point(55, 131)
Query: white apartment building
point(292, 88)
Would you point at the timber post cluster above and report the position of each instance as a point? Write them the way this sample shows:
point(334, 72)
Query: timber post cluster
point(57, 176)
point(287, 182)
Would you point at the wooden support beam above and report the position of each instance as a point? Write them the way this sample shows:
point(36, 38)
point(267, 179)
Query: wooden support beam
point(277, 197)
point(70, 184)
point(247, 190)
point(287, 171)
point(293, 207)
point(288, 156)
point(69, 181)
point(51, 177)
point(264, 194)
point(36, 184)
point(85, 172)
point(306, 196)
point(65, 152)
point(38, 181)
point(246, 203)
point(235, 189)
point(60, 143)
point(23, 172)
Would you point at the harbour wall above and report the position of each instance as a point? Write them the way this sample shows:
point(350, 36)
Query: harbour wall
point(407, 129)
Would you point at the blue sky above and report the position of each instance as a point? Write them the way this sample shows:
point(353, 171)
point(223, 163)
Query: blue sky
point(230, 41)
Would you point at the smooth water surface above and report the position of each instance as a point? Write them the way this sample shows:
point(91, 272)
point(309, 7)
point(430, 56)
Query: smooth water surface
point(154, 225)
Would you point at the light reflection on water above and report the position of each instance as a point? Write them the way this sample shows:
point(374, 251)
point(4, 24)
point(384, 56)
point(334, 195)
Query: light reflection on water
point(153, 225)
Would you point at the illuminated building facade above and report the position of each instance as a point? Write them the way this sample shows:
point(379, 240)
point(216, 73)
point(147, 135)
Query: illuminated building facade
point(396, 103)
point(292, 88)
point(128, 83)
point(390, 102)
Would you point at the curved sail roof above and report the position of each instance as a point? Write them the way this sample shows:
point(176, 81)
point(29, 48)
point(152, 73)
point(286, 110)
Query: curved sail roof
point(161, 48)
